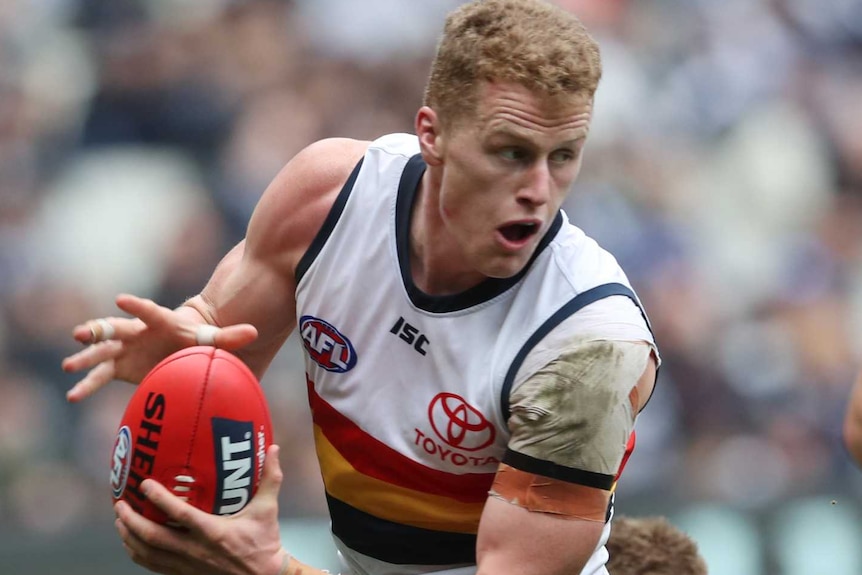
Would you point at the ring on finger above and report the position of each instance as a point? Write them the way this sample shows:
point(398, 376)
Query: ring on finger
point(101, 330)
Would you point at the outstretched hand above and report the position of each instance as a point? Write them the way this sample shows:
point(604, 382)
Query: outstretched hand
point(247, 542)
point(128, 348)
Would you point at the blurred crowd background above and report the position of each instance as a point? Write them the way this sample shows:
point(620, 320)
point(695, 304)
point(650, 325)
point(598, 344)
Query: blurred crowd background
point(724, 170)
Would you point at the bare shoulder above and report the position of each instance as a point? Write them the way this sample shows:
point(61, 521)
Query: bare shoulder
point(323, 165)
point(297, 201)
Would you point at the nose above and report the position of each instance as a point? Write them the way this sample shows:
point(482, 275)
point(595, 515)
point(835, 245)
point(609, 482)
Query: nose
point(535, 188)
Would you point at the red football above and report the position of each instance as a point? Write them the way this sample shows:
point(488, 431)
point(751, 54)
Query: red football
point(199, 424)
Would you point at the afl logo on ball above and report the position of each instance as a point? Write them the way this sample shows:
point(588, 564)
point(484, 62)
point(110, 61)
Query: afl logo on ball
point(327, 346)
point(459, 424)
point(120, 461)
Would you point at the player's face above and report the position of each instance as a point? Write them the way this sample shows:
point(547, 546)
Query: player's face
point(506, 172)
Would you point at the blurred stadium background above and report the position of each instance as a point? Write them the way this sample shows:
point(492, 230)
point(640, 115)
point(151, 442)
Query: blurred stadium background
point(724, 171)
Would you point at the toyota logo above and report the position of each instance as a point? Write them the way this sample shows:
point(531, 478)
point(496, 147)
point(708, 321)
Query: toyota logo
point(459, 424)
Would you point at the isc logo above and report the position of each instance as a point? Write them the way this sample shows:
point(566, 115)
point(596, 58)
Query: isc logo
point(234, 456)
point(327, 346)
point(411, 335)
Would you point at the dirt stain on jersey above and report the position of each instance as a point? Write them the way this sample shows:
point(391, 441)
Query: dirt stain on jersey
point(576, 411)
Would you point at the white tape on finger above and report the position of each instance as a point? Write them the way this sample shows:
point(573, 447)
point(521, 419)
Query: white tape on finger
point(107, 330)
point(205, 334)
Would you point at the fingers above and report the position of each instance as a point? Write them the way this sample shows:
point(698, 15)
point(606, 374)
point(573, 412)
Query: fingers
point(177, 510)
point(98, 377)
point(93, 331)
point(155, 316)
point(115, 343)
point(147, 556)
point(270, 481)
point(146, 310)
point(266, 498)
point(234, 336)
point(92, 356)
point(100, 330)
point(106, 328)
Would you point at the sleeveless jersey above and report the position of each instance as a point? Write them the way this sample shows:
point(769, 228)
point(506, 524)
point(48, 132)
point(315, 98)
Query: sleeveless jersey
point(409, 391)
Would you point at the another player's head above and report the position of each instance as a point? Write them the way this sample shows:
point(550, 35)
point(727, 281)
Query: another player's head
point(652, 546)
point(507, 110)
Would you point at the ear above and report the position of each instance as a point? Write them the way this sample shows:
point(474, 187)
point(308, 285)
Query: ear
point(431, 142)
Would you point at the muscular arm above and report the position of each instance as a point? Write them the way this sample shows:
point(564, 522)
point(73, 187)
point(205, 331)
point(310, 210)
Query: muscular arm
point(251, 294)
point(570, 423)
point(517, 541)
point(853, 422)
point(255, 282)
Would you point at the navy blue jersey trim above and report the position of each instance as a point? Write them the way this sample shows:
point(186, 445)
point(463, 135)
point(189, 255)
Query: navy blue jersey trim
point(487, 290)
point(328, 224)
point(575, 304)
point(396, 543)
point(556, 471)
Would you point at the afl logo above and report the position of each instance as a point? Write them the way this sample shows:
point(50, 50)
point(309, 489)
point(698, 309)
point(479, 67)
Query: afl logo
point(459, 424)
point(120, 461)
point(327, 346)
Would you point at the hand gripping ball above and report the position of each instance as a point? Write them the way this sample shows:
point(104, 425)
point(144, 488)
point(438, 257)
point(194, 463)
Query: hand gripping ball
point(199, 424)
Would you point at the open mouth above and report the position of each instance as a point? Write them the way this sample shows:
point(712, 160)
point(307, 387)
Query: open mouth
point(520, 232)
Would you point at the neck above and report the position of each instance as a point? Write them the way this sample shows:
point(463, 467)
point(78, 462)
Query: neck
point(437, 264)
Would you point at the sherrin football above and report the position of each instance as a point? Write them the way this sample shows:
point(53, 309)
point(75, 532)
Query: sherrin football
point(199, 424)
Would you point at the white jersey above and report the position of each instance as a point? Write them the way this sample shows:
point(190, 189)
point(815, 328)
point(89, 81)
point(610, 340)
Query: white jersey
point(409, 391)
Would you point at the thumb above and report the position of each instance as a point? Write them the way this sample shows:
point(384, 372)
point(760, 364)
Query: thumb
point(270, 481)
point(232, 337)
